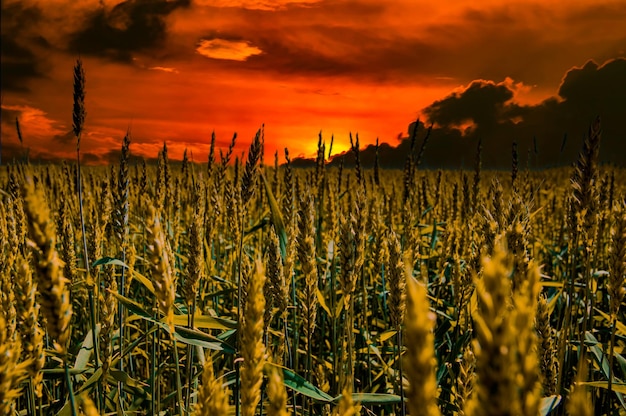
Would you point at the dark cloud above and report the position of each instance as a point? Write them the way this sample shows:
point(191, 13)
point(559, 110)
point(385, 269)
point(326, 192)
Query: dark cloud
point(482, 102)
point(13, 152)
point(10, 149)
point(129, 27)
point(19, 62)
point(601, 11)
point(375, 41)
point(64, 138)
point(525, 42)
point(8, 116)
point(322, 50)
point(591, 87)
point(498, 122)
point(114, 157)
point(583, 94)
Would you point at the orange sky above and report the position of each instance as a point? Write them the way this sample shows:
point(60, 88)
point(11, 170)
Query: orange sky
point(177, 70)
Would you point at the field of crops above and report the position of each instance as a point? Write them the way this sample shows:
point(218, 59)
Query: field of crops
point(260, 289)
point(257, 289)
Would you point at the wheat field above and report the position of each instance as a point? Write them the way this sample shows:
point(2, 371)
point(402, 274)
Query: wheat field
point(256, 289)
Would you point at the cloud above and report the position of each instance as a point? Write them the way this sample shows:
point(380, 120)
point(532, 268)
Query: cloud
point(20, 63)
point(126, 28)
point(380, 41)
point(114, 156)
point(493, 116)
point(382, 60)
point(498, 119)
point(164, 69)
point(482, 102)
point(364, 40)
point(34, 123)
point(256, 4)
point(596, 87)
point(227, 49)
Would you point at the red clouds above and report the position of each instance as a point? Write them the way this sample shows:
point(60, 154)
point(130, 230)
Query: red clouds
point(177, 70)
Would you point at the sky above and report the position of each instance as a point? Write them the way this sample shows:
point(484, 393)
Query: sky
point(175, 71)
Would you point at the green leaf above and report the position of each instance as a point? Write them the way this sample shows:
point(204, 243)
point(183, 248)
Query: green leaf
point(299, 384)
point(322, 301)
point(144, 281)
point(617, 387)
point(104, 261)
point(182, 333)
point(551, 284)
point(372, 398)
point(122, 377)
point(134, 307)
point(276, 218)
point(60, 372)
point(117, 262)
point(621, 328)
point(262, 223)
point(90, 381)
point(387, 334)
point(597, 352)
point(621, 361)
point(603, 362)
point(548, 404)
point(86, 349)
point(433, 237)
point(201, 339)
point(206, 322)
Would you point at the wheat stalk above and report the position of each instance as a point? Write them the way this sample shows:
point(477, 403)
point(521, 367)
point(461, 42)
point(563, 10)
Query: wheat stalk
point(397, 282)
point(617, 278)
point(11, 373)
point(195, 267)
point(212, 397)
point(161, 266)
point(546, 347)
point(28, 316)
point(108, 310)
point(276, 394)
point(308, 268)
point(579, 401)
point(346, 406)
point(249, 175)
point(420, 361)
point(465, 380)
point(252, 348)
point(496, 368)
point(54, 296)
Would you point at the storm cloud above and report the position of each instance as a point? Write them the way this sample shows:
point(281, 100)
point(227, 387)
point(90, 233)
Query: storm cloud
point(19, 63)
point(180, 69)
point(130, 26)
point(548, 134)
point(384, 42)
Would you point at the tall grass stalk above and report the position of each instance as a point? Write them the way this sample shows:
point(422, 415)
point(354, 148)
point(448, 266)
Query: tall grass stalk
point(246, 192)
point(120, 225)
point(78, 122)
point(616, 289)
point(53, 288)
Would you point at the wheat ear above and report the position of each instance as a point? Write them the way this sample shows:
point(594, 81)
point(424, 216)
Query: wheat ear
point(252, 349)
point(212, 398)
point(276, 394)
point(420, 361)
point(54, 295)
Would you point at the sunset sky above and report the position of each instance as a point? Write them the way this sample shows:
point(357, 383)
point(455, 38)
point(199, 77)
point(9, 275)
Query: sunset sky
point(176, 70)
